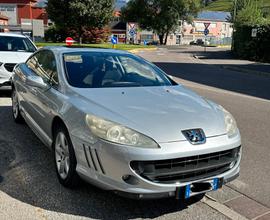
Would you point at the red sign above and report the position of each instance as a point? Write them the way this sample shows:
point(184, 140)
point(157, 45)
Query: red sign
point(206, 25)
point(69, 41)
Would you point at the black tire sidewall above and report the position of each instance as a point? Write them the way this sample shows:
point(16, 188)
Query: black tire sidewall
point(19, 118)
point(72, 178)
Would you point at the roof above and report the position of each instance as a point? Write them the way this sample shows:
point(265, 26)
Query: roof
point(214, 15)
point(3, 17)
point(118, 25)
point(12, 35)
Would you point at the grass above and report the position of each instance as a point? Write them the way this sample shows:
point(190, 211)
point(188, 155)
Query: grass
point(105, 45)
point(226, 5)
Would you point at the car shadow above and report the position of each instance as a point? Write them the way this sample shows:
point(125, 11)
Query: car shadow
point(28, 175)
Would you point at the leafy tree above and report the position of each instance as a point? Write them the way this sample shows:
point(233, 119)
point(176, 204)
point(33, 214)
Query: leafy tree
point(161, 16)
point(248, 13)
point(80, 14)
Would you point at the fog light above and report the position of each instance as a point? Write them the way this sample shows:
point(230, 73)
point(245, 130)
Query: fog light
point(130, 179)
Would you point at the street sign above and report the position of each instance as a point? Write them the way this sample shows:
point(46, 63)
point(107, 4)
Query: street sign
point(132, 32)
point(206, 25)
point(206, 32)
point(254, 32)
point(69, 41)
point(114, 40)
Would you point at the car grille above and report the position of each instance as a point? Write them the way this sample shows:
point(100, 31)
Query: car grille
point(9, 66)
point(187, 168)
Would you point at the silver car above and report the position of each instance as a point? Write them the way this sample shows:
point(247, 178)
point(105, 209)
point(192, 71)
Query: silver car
point(120, 123)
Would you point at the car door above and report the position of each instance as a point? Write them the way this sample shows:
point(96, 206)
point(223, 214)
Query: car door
point(41, 101)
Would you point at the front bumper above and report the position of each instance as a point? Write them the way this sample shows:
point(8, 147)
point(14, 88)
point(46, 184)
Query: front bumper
point(107, 165)
point(4, 76)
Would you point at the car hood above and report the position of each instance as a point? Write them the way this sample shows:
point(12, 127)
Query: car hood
point(13, 57)
point(158, 112)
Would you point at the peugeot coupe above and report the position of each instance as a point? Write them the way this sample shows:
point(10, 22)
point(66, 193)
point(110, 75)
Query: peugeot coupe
point(121, 123)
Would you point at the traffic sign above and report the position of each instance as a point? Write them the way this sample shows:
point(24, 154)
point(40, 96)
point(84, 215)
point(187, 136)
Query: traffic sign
point(132, 32)
point(69, 41)
point(206, 32)
point(206, 25)
point(114, 40)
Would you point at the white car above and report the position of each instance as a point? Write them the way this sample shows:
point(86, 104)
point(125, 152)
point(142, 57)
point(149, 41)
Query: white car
point(14, 48)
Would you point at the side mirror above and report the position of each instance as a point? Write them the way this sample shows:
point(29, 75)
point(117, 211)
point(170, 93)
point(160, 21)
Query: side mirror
point(36, 81)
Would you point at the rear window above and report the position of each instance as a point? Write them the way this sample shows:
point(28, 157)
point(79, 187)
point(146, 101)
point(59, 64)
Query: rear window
point(18, 44)
point(97, 70)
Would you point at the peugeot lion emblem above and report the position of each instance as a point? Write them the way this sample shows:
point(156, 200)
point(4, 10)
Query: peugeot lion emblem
point(195, 136)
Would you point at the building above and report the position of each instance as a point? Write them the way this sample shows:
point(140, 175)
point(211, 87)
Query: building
point(20, 12)
point(3, 21)
point(220, 29)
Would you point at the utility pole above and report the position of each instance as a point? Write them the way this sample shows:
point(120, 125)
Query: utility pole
point(234, 18)
point(31, 17)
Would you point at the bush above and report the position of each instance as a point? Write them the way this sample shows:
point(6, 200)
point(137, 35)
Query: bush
point(56, 35)
point(253, 48)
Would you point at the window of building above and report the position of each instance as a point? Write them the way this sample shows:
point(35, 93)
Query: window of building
point(7, 8)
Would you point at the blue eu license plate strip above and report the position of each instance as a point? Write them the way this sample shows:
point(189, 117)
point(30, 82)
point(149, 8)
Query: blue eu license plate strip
point(215, 183)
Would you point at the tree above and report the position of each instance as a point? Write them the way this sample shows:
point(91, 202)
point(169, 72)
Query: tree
point(248, 13)
point(161, 16)
point(79, 15)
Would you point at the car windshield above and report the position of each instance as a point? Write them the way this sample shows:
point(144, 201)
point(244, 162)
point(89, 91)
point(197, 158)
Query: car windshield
point(18, 44)
point(97, 70)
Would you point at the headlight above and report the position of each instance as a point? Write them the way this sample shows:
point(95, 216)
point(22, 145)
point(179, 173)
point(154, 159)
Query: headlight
point(117, 133)
point(230, 123)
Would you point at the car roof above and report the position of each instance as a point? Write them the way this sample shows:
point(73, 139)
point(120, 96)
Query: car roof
point(12, 35)
point(63, 49)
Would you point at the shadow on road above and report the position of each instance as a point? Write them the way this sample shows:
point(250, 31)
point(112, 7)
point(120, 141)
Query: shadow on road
point(223, 78)
point(28, 175)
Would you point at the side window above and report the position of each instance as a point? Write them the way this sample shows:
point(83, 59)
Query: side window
point(43, 64)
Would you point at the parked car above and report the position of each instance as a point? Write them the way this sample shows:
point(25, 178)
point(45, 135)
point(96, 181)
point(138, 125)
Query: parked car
point(14, 48)
point(197, 42)
point(122, 124)
point(153, 42)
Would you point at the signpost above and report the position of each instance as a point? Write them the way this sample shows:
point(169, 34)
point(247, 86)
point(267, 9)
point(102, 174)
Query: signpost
point(206, 32)
point(69, 41)
point(206, 25)
point(114, 41)
point(132, 32)
point(254, 32)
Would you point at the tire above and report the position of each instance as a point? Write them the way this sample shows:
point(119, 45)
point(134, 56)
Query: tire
point(64, 158)
point(16, 108)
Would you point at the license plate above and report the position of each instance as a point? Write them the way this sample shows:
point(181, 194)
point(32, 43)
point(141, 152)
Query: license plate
point(198, 188)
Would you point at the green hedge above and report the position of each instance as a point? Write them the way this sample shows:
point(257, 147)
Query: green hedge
point(252, 48)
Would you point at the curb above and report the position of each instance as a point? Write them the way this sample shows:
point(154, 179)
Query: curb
point(142, 49)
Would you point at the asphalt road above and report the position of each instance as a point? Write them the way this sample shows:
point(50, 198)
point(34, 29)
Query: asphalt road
point(29, 188)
